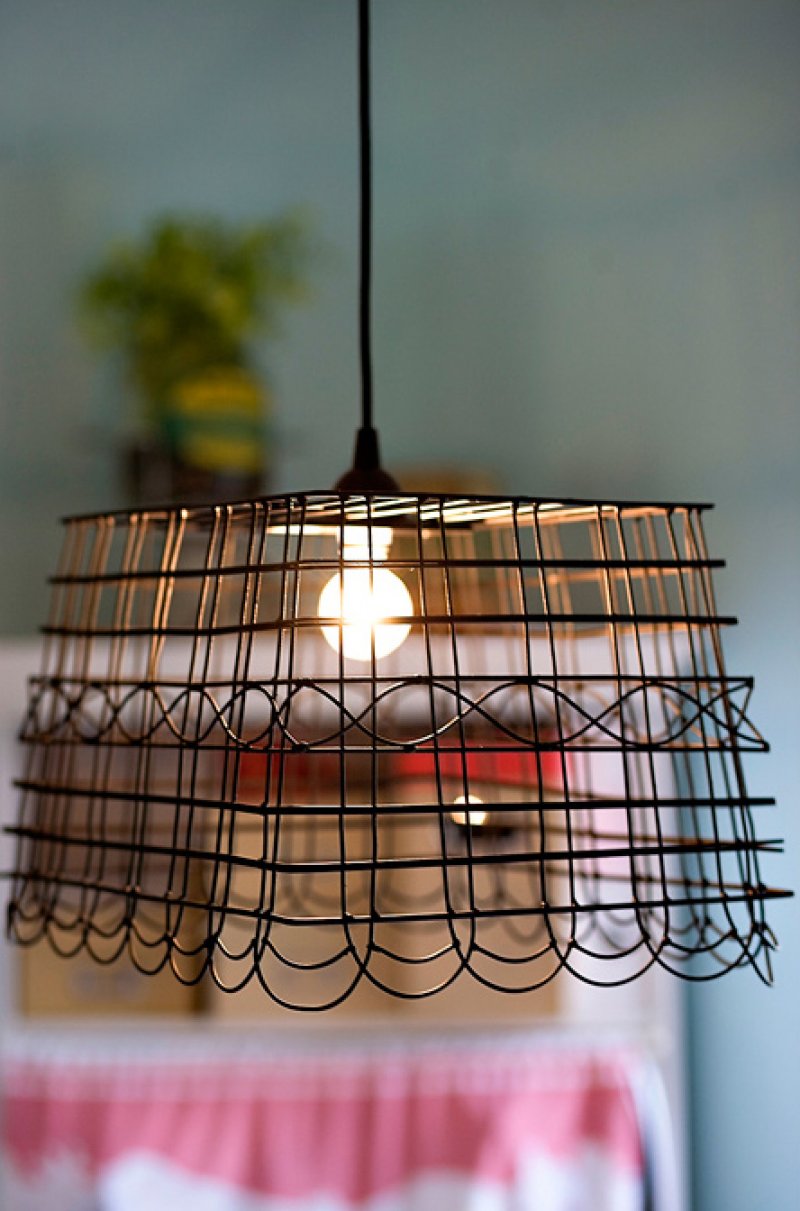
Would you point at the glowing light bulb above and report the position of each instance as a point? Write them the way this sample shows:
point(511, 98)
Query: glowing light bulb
point(362, 597)
point(475, 818)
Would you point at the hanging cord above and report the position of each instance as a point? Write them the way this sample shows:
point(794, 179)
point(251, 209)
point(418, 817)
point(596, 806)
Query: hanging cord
point(365, 242)
point(366, 474)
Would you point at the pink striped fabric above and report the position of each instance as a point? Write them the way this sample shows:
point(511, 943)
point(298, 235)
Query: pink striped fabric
point(352, 1125)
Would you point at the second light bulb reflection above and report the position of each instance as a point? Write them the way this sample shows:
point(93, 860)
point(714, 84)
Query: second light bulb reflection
point(475, 816)
point(364, 597)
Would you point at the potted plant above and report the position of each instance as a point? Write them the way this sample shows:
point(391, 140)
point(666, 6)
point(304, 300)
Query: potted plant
point(183, 305)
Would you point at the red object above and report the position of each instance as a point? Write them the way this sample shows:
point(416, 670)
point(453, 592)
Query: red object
point(511, 767)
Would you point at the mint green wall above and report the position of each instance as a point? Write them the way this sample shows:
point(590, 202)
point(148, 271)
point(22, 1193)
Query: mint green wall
point(587, 257)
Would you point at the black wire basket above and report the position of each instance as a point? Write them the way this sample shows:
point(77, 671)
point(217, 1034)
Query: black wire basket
point(320, 739)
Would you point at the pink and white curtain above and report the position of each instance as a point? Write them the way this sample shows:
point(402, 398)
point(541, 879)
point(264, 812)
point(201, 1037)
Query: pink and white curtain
point(233, 1124)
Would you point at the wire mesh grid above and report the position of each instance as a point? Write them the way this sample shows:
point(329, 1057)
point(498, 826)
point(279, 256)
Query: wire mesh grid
point(320, 739)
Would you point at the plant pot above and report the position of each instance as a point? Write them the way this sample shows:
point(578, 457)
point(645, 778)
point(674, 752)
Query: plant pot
point(213, 443)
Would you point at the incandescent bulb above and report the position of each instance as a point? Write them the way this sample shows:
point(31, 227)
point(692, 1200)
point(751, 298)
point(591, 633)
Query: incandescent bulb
point(363, 597)
point(475, 818)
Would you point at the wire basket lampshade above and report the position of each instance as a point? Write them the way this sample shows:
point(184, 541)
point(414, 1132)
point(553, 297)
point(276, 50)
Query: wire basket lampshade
point(314, 740)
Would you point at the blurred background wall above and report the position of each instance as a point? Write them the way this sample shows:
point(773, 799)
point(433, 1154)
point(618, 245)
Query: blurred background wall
point(587, 253)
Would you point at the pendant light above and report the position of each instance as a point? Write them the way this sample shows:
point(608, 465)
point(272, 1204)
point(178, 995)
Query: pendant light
point(357, 735)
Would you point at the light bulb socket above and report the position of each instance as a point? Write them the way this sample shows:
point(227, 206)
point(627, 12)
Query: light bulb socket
point(366, 473)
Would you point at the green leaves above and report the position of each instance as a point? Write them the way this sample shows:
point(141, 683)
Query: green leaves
point(192, 293)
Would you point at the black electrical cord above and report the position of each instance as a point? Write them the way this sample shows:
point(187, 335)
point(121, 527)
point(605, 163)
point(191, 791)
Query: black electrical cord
point(366, 474)
point(365, 242)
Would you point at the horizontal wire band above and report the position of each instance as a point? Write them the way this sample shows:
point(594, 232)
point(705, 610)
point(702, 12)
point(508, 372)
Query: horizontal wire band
point(330, 564)
point(388, 749)
point(445, 621)
point(359, 865)
point(188, 685)
point(735, 895)
point(583, 842)
point(386, 811)
point(329, 504)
